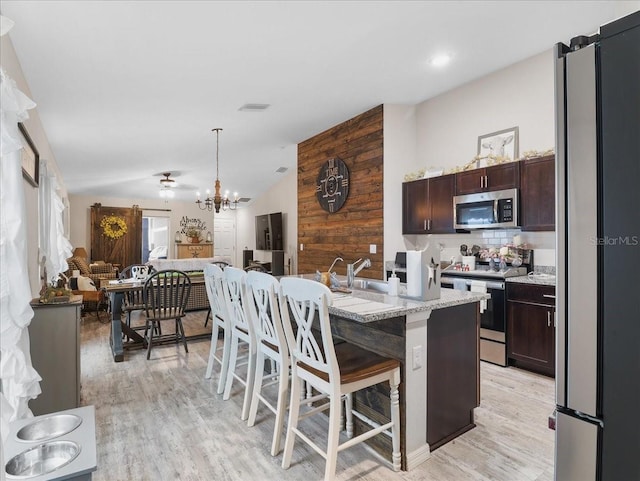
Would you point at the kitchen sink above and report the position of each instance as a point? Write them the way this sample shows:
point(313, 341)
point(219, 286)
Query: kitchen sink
point(49, 428)
point(42, 459)
point(371, 285)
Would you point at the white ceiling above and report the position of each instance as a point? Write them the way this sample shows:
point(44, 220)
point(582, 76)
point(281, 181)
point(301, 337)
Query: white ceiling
point(130, 89)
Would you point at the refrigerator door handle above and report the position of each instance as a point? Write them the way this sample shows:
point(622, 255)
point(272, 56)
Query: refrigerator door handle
point(561, 396)
point(580, 304)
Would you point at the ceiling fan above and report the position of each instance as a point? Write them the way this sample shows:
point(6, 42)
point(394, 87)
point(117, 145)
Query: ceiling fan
point(166, 186)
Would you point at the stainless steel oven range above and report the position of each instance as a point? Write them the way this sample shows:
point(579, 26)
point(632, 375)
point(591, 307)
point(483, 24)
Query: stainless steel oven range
point(493, 319)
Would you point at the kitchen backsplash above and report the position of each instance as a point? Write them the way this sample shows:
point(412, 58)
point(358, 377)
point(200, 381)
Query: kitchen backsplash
point(543, 243)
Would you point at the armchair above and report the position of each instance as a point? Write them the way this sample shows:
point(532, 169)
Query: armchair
point(97, 272)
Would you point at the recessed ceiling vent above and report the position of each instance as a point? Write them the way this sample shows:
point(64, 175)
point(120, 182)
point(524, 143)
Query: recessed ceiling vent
point(244, 199)
point(254, 107)
point(281, 170)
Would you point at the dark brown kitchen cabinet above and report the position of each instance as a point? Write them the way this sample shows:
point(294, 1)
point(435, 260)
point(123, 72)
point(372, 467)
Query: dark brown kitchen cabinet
point(537, 194)
point(427, 205)
point(531, 327)
point(497, 177)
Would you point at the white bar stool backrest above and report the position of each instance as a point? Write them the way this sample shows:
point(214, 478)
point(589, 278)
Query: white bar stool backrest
point(304, 298)
point(213, 276)
point(266, 309)
point(235, 294)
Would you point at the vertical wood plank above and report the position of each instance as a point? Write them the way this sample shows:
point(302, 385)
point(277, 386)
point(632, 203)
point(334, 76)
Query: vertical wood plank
point(348, 232)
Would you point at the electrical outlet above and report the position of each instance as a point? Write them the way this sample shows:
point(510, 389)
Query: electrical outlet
point(417, 357)
point(372, 249)
point(301, 247)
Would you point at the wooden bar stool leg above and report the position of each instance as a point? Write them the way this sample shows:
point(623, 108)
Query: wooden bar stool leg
point(281, 409)
point(224, 370)
point(212, 352)
point(334, 436)
point(348, 403)
point(233, 359)
point(251, 373)
point(294, 412)
point(394, 395)
point(257, 388)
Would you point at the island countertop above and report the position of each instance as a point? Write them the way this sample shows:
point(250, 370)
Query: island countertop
point(427, 338)
point(363, 305)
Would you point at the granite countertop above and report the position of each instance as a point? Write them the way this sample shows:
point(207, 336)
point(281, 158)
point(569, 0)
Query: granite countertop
point(385, 306)
point(538, 278)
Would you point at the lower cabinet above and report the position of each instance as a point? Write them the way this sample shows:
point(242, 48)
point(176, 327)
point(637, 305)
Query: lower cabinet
point(531, 327)
point(54, 335)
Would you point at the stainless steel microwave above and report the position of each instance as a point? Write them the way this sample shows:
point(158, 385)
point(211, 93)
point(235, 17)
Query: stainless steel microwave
point(486, 210)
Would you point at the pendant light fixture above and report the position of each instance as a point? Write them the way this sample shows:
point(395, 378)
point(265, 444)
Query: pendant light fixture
point(217, 201)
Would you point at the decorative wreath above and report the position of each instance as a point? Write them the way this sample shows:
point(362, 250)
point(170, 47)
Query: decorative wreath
point(113, 226)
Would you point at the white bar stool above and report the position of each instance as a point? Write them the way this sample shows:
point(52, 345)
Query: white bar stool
point(213, 279)
point(271, 344)
point(335, 371)
point(235, 294)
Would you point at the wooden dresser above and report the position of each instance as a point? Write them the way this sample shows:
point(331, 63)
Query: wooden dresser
point(188, 251)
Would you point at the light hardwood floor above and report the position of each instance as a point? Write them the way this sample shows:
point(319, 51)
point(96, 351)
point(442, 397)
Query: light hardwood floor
point(162, 420)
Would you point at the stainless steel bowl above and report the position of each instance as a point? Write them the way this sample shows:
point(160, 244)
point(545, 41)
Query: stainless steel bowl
point(49, 428)
point(42, 459)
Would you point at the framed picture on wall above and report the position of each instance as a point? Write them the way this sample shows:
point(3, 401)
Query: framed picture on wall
point(30, 157)
point(500, 144)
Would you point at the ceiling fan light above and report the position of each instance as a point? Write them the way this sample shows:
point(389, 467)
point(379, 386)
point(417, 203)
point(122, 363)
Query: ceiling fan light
point(440, 60)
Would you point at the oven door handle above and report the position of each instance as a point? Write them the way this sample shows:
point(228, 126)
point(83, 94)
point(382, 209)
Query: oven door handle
point(490, 284)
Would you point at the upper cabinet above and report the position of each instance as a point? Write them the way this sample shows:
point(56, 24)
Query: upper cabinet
point(537, 194)
point(497, 177)
point(427, 205)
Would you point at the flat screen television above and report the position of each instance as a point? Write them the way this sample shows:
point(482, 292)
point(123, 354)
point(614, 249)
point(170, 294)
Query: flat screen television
point(269, 232)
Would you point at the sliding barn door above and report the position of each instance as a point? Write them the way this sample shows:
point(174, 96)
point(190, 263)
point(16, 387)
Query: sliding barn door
point(108, 243)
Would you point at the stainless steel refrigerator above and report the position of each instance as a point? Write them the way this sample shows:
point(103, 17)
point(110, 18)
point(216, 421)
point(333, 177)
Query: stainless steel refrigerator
point(598, 255)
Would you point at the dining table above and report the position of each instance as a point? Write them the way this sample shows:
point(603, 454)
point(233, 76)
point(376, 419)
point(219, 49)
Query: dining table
point(116, 291)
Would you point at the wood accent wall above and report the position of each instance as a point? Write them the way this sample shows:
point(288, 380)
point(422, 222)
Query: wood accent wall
point(359, 223)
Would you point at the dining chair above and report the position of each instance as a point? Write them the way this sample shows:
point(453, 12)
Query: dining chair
point(271, 344)
point(236, 299)
point(213, 279)
point(132, 300)
point(221, 265)
point(165, 295)
point(335, 371)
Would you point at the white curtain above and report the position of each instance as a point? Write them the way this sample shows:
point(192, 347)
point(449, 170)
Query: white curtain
point(20, 382)
point(55, 248)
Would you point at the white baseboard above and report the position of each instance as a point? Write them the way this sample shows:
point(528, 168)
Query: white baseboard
point(418, 456)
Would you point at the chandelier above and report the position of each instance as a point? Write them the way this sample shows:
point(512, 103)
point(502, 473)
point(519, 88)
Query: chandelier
point(217, 201)
point(166, 187)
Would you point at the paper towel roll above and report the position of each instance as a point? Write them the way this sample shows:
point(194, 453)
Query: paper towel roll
point(469, 261)
point(414, 273)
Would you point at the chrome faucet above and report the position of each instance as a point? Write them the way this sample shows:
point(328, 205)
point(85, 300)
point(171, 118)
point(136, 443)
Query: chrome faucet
point(352, 271)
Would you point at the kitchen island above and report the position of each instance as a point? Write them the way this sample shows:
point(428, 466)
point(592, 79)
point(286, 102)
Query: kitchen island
point(437, 344)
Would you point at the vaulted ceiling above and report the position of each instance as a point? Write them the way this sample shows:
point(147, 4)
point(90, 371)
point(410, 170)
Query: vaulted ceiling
point(128, 90)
